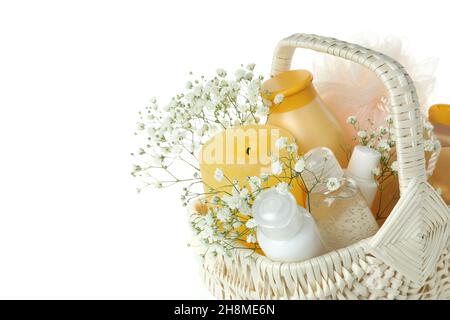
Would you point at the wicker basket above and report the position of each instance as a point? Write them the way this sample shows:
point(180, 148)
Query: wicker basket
point(409, 256)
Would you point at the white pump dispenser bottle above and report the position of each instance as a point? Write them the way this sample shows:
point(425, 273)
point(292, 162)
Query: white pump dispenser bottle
point(286, 232)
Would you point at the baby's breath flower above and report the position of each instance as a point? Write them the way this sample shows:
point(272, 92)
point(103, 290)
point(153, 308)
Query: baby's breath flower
point(157, 184)
point(281, 142)
point(217, 249)
point(394, 166)
point(255, 183)
point(239, 74)
point(223, 214)
point(251, 238)
point(278, 98)
point(383, 130)
point(262, 111)
point(333, 184)
point(251, 223)
point(189, 85)
point(233, 202)
point(236, 224)
point(300, 165)
point(249, 76)
point(352, 120)
point(292, 148)
point(282, 188)
point(264, 176)
point(376, 171)
point(221, 73)
point(389, 119)
point(277, 167)
point(251, 66)
point(362, 134)
point(384, 145)
point(209, 218)
point(243, 193)
point(209, 106)
point(215, 200)
point(429, 145)
point(197, 91)
point(136, 168)
point(428, 126)
point(208, 233)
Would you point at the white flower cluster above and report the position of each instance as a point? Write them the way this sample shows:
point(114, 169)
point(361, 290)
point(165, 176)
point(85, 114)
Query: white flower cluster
point(176, 131)
point(228, 219)
point(383, 140)
point(333, 184)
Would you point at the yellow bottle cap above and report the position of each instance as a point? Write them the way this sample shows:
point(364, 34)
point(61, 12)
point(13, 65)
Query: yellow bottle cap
point(294, 85)
point(286, 83)
point(439, 113)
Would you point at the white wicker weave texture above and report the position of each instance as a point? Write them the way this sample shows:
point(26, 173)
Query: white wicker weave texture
point(408, 258)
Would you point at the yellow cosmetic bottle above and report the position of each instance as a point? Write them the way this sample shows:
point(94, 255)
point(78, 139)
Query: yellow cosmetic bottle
point(303, 113)
point(439, 116)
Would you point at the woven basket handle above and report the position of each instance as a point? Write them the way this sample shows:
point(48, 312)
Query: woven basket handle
point(404, 105)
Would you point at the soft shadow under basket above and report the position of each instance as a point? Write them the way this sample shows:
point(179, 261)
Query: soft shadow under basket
point(409, 256)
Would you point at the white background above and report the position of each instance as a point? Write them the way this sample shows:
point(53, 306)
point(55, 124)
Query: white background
point(74, 74)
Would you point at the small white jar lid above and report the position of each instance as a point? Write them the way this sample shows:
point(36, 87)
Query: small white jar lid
point(273, 210)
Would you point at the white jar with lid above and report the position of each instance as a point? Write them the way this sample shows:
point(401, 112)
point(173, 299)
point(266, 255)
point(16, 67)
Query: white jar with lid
point(360, 168)
point(286, 232)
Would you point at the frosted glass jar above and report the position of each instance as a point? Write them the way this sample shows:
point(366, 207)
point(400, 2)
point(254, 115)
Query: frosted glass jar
point(342, 216)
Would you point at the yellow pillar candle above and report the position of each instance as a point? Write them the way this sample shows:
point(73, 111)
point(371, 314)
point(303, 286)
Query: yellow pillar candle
point(243, 152)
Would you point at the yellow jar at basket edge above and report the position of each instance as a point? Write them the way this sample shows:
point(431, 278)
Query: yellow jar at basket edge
point(439, 116)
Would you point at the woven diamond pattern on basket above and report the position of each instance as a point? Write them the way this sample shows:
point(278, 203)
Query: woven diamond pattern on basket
point(412, 243)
